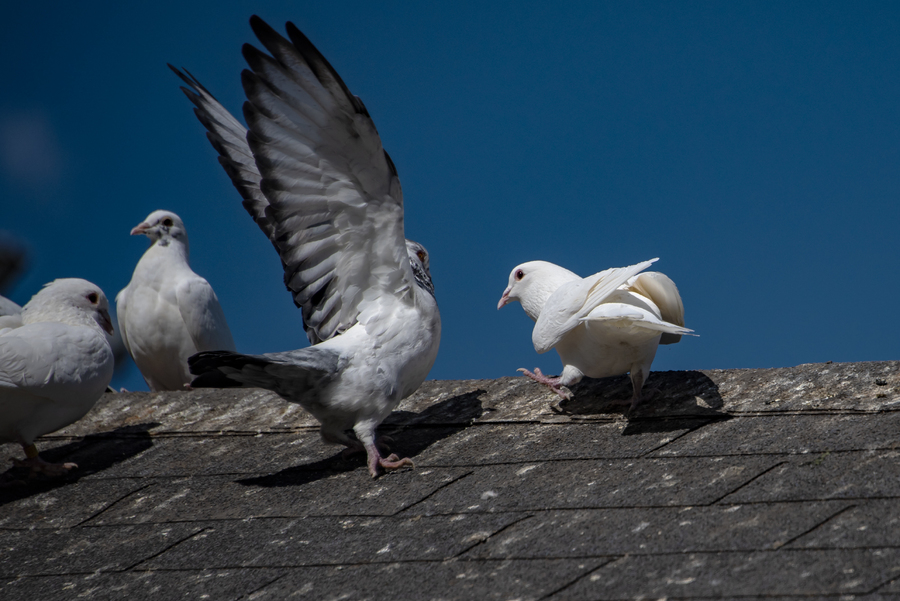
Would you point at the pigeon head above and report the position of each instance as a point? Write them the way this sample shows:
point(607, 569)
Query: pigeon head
point(418, 259)
point(162, 227)
point(532, 284)
point(69, 300)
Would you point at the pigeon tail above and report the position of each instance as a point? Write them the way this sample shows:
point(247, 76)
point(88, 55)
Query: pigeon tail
point(295, 375)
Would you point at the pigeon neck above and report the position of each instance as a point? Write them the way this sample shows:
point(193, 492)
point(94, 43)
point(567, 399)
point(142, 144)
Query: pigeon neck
point(178, 246)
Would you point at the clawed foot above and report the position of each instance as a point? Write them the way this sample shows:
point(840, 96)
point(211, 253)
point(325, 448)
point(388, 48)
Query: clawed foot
point(377, 463)
point(39, 466)
point(552, 383)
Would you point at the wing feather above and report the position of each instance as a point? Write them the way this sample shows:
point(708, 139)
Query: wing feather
point(574, 300)
point(660, 289)
point(320, 185)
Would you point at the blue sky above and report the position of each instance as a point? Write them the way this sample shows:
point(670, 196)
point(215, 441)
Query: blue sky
point(753, 147)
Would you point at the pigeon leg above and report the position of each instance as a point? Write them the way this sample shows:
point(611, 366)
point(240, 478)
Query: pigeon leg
point(637, 381)
point(391, 462)
point(375, 462)
point(552, 383)
point(37, 465)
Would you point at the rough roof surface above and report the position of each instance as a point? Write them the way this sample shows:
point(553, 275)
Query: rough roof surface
point(754, 484)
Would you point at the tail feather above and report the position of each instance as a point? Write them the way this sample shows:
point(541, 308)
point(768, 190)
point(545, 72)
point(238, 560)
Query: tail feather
point(295, 375)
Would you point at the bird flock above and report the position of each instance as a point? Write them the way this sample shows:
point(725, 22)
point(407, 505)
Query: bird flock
point(313, 175)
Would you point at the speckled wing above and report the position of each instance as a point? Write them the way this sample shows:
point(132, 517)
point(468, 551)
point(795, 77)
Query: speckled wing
point(660, 289)
point(229, 138)
point(334, 202)
point(575, 300)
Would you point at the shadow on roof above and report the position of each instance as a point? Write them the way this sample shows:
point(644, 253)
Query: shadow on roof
point(406, 433)
point(94, 453)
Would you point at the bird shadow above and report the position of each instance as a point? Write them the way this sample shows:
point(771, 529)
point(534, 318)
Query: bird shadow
point(680, 397)
point(93, 453)
point(408, 433)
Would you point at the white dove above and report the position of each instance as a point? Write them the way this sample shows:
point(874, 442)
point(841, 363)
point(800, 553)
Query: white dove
point(55, 366)
point(607, 324)
point(167, 312)
point(315, 178)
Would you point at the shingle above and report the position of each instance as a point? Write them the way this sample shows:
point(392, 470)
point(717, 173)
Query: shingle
point(221, 585)
point(303, 542)
point(780, 572)
point(597, 483)
point(598, 532)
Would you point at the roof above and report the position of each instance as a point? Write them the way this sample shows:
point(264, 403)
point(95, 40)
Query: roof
point(775, 483)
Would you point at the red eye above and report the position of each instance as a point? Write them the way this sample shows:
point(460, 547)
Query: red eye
point(93, 298)
point(519, 274)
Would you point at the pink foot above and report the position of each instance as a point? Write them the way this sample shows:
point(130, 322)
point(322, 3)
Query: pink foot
point(377, 463)
point(552, 383)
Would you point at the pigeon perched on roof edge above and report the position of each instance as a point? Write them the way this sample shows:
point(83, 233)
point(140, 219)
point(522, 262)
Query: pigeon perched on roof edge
point(167, 312)
point(604, 325)
point(315, 178)
point(55, 366)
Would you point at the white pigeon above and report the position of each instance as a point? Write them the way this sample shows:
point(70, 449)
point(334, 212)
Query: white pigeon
point(167, 312)
point(315, 178)
point(607, 324)
point(55, 366)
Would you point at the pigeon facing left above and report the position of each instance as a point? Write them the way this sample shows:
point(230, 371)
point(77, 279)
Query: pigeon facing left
point(55, 366)
point(315, 178)
point(607, 324)
point(167, 312)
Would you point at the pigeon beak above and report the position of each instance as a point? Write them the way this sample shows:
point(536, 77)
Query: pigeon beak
point(503, 299)
point(140, 228)
point(106, 321)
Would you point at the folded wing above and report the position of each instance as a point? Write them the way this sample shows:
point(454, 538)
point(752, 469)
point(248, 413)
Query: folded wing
point(573, 301)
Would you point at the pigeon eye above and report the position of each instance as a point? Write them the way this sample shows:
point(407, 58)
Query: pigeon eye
point(519, 274)
point(167, 222)
point(92, 297)
point(421, 254)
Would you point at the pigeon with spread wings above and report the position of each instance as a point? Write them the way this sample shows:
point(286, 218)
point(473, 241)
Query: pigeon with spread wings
point(315, 178)
point(607, 324)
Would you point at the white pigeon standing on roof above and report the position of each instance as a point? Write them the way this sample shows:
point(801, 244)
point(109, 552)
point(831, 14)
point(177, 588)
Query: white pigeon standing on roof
point(55, 366)
point(607, 324)
point(315, 178)
point(167, 312)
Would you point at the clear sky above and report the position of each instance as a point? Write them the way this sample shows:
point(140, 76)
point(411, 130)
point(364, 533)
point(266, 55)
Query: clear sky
point(754, 147)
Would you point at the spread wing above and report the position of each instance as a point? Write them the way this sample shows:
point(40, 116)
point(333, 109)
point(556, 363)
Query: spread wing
point(329, 196)
point(575, 300)
point(660, 289)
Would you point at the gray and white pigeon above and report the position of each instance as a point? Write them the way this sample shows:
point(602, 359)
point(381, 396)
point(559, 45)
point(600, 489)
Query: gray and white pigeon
point(607, 324)
point(315, 178)
point(167, 312)
point(55, 366)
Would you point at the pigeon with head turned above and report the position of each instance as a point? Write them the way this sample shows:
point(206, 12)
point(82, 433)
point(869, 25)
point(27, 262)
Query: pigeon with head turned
point(607, 324)
point(167, 312)
point(55, 366)
point(315, 178)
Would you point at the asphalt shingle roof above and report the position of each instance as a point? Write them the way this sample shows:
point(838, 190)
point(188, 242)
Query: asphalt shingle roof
point(774, 484)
